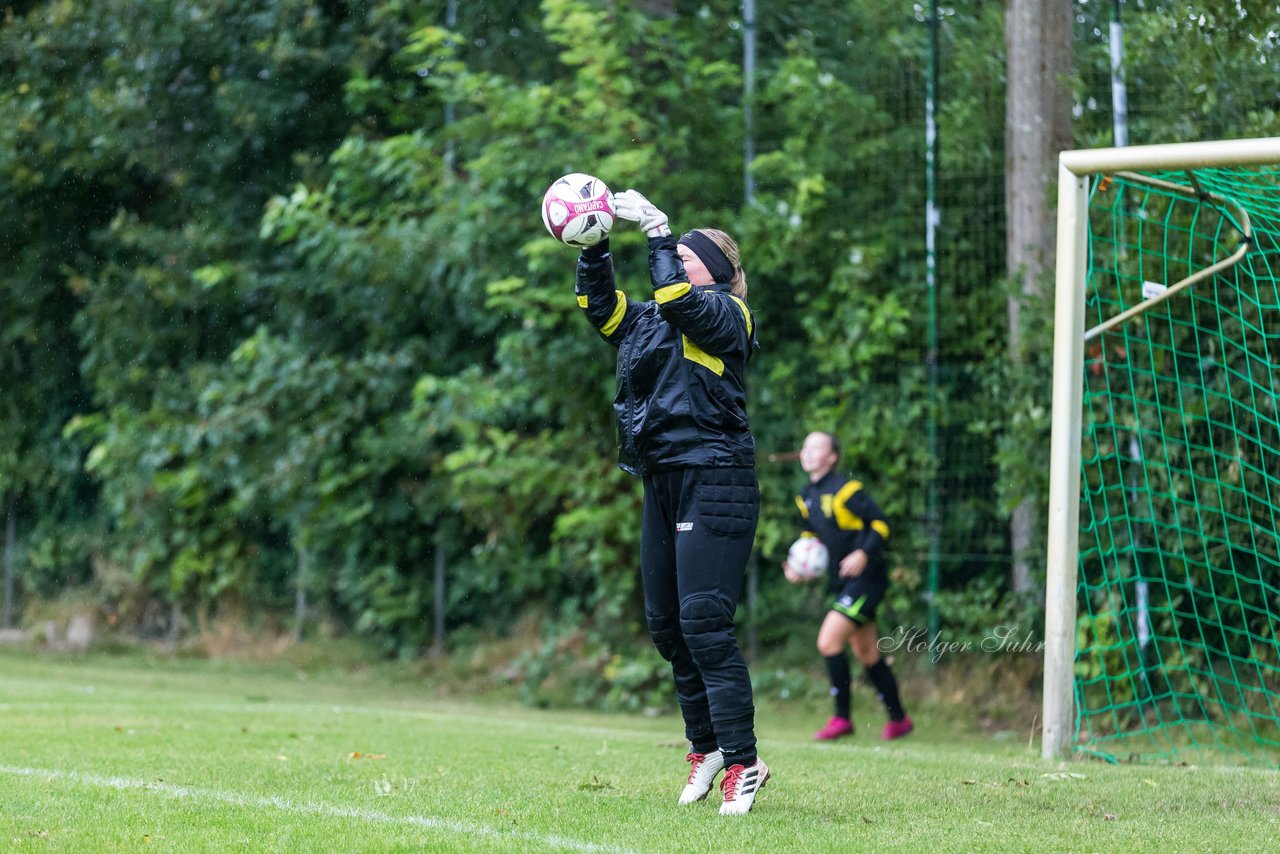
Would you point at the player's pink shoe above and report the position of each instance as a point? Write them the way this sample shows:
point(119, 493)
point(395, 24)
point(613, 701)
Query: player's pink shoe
point(835, 728)
point(896, 729)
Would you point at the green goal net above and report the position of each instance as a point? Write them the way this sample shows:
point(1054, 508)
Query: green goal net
point(1178, 599)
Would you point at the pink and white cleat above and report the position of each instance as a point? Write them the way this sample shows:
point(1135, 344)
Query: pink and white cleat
point(837, 727)
point(740, 787)
point(702, 773)
point(896, 729)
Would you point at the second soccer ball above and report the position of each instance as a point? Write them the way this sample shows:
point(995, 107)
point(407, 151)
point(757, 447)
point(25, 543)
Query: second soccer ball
point(808, 557)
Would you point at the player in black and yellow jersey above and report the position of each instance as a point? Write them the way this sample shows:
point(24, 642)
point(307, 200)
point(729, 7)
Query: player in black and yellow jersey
point(840, 512)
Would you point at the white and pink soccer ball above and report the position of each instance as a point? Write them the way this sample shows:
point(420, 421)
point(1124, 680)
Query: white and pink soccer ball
point(808, 557)
point(578, 209)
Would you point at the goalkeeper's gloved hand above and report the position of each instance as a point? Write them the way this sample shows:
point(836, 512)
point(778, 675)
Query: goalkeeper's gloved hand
point(631, 205)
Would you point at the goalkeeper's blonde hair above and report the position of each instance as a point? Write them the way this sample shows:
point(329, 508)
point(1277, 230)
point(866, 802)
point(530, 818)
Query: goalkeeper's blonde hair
point(730, 250)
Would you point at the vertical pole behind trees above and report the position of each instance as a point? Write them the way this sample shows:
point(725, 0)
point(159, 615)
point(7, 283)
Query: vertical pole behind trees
point(1119, 92)
point(1120, 134)
point(6, 620)
point(300, 590)
point(932, 221)
point(748, 198)
point(437, 590)
point(748, 95)
point(450, 24)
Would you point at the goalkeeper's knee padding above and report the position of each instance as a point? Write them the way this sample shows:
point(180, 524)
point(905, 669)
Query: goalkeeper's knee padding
point(665, 632)
point(708, 630)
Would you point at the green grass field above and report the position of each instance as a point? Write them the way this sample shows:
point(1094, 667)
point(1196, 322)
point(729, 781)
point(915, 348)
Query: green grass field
point(130, 753)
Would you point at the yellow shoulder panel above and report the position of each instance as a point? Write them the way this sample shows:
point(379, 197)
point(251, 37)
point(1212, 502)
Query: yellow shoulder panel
point(694, 353)
point(845, 517)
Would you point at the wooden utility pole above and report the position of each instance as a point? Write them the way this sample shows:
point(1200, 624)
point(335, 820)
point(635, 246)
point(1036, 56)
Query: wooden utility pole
point(6, 619)
point(1037, 127)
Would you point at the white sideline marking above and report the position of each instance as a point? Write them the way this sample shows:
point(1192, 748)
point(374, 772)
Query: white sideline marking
point(275, 707)
point(309, 808)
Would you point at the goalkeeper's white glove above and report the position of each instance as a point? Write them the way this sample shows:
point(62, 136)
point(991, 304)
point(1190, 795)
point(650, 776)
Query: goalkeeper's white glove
point(631, 205)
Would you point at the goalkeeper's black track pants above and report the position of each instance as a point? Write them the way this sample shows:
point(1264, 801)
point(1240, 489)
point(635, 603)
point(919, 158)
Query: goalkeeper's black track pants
point(696, 536)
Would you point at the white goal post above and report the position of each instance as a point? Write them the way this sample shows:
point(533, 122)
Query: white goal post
point(1075, 168)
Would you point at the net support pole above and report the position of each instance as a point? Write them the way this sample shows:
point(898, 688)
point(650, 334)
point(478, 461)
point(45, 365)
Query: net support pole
point(450, 24)
point(1064, 467)
point(748, 100)
point(932, 223)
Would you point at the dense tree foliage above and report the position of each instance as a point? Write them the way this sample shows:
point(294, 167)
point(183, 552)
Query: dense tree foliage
point(277, 296)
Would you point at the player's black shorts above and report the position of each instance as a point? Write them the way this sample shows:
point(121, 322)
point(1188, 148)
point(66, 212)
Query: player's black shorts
point(857, 598)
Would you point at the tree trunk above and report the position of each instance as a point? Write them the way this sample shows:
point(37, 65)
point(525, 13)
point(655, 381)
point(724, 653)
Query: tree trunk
point(438, 599)
point(6, 620)
point(1037, 128)
point(302, 582)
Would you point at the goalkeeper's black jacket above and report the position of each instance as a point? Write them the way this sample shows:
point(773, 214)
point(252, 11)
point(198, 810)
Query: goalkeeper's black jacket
point(680, 401)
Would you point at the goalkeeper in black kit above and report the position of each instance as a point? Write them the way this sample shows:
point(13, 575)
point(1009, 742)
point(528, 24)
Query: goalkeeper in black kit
point(840, 513)
point(682, 428)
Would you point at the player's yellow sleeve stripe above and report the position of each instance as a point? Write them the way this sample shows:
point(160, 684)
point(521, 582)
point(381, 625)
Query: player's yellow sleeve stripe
point(746, 313)
point(615, 319)
point(879, 526)
point(804, 510)
point(845, 518)
point(694, 353)
point(582, 300)
point(670, 292)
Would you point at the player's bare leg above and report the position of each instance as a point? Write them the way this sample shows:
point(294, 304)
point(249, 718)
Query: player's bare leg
point(864, 641)
point(833, 637)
